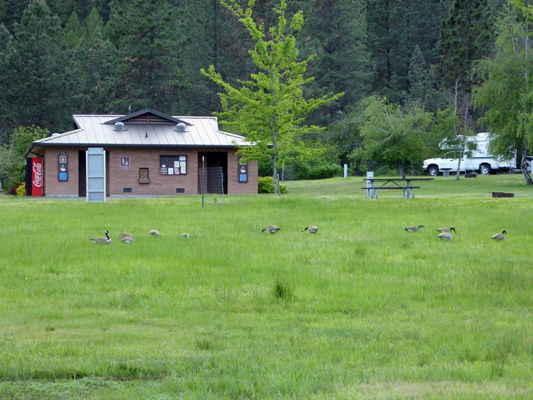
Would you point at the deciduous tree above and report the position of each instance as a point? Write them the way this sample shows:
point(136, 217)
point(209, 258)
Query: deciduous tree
point(506, 89)
point(399, 137)
point(270, 108)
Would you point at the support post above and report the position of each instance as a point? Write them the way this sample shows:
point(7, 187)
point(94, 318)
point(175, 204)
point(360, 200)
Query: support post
point(371, 192)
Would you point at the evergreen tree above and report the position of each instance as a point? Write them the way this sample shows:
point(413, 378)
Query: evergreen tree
point(465, 36)
point(11, 12)
point(39, 62)
point(395, 28)
point(74, 31)
point(6, 85)
point(213, 37)
point(420, 78)
point(147, 75)
point(336, 32)
point(96, 63)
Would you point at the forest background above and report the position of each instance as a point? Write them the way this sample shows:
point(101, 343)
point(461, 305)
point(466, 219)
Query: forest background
point(406, 68)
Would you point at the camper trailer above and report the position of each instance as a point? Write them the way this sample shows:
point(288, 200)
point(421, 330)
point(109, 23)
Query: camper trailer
point(481, 160)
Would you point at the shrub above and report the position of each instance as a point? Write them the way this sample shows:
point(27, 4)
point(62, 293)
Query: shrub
point(266, 185)
point(320, 168)
point(21, 189)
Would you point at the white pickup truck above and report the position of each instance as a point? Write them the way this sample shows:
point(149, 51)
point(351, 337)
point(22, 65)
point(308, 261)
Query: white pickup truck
point(481, 160)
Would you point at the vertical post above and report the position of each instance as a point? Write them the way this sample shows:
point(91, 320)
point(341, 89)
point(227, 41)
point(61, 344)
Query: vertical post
point(203, 180)
point(370, 191)
point(345, 171)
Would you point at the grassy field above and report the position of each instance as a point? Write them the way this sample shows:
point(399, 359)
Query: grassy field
point(361, 310)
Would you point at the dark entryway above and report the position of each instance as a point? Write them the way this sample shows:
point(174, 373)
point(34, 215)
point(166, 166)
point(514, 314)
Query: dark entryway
point(216, 172)
point(82, 174)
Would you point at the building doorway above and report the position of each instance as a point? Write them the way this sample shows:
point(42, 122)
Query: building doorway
point(216, 172)
point(82, 173)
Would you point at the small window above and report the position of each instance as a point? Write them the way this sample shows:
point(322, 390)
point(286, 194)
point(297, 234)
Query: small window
point(173, 165)
point(143, 175)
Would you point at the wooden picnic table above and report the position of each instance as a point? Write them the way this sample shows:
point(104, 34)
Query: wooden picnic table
point(393, 183)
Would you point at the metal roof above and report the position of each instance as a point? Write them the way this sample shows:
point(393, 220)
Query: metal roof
point(96, 130)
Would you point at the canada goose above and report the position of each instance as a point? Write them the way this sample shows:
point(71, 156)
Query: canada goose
point(102, 240)
point(445, 236)
point(500, 236)
point(185, 235)
point(446, 230)
point(154, 232)
point(271, 229)
point(128, 239)
point(414, 228)
point(123, 235)
point(311, 229)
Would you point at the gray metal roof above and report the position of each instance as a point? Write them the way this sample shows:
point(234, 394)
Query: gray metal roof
point(94, 131)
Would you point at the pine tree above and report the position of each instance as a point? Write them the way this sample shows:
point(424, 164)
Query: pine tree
point(96, 63)
point(213, 37)
point(147, 75)
point(466, 35)
point(420, 78)
point(336, 32)
point(395, 28)
point(39, 62)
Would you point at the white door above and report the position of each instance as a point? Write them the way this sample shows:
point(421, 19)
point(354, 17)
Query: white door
point(96, 175)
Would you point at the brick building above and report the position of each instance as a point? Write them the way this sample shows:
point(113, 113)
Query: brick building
point(146, 153)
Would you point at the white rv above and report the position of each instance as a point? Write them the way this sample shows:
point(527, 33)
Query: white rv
point(481, 159)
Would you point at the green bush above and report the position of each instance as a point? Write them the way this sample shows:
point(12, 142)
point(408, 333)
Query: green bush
point(266, 185)
point(320, 168)
point(21, 189)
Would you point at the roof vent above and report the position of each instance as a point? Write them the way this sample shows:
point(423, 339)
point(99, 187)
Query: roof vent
point(181, 127)
point(55, 134)
point(119, 127)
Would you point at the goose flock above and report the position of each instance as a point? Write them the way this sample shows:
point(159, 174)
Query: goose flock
point(445, 234)
point(127, 238)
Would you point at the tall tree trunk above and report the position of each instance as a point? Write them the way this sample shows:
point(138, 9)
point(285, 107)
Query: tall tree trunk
point(525, 166)
point(402, 170)
point(455, 126)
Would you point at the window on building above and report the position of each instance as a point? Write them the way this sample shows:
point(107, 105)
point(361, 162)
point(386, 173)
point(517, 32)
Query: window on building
point(143, 175)
point(173, 165)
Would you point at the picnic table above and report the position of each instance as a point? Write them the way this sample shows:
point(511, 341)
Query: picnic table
point(404, 184)
point(446, 172)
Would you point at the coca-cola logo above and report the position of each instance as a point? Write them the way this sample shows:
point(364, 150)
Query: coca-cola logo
point(37, 174)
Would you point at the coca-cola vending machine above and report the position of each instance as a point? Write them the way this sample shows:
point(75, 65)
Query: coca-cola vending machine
point(36, 177)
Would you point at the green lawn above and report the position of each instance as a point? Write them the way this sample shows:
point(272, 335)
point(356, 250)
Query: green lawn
point(360, 310)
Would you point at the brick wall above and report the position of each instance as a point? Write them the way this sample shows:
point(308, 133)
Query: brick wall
point(159, 184)
point(52, 185)
point(119, 179)
point(236, 187)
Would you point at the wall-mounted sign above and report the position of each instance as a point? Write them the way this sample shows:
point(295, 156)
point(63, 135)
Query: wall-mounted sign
point(62, 166)
point(36, 177)
point(243, 171)
point(124, 163)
